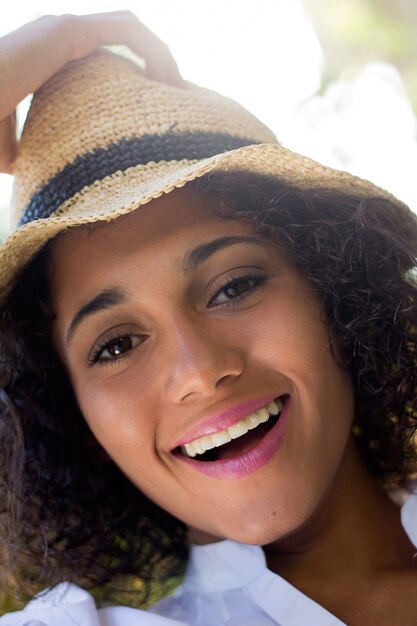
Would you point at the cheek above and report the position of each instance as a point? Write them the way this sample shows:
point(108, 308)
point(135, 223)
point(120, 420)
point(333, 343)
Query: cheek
point(295, 345)
point(118, 413)
point(291, 337)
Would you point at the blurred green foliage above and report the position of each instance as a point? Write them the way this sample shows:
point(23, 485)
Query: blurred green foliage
point(355, 32)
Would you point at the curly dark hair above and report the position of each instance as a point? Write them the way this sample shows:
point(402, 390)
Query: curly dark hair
point(67, 511)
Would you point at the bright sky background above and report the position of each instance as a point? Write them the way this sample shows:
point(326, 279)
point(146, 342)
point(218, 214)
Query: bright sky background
point(265, 54)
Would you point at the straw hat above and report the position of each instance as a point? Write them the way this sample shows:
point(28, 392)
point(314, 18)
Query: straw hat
point(101, 140)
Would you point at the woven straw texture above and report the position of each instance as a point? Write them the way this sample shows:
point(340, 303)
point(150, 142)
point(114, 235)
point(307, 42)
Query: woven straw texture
point(101, 140)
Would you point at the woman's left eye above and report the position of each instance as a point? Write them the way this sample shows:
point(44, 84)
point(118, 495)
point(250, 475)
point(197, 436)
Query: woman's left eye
point(237, 289)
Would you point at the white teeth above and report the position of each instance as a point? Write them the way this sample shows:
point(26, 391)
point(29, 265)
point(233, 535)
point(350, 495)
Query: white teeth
point(207, 442)
point(237, 430)
point(221, 438)
point(262, 415)
point(252, 421)
point(275, 406)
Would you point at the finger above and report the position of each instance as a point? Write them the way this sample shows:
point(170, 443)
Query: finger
point(33, 53)
point(29, 56)
point(125, 28)
point(8, 143)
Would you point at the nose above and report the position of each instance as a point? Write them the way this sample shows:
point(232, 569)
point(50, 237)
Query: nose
point(199, 362)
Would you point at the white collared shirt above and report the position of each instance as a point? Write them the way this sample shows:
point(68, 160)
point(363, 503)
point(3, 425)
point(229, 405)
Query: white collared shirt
point(226, 584)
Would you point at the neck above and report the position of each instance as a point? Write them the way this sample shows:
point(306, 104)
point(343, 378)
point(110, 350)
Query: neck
point(355, 533)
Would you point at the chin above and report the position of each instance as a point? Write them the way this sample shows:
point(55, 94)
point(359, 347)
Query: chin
point(266, 527)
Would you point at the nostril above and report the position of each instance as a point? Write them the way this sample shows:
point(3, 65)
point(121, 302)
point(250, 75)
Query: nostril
point(224, 380)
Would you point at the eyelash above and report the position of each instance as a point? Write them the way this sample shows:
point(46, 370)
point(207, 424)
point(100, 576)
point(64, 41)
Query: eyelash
point(256, 279)
point(106, 342)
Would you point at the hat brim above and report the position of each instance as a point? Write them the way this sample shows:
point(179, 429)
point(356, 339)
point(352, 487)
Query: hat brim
point(124, 192)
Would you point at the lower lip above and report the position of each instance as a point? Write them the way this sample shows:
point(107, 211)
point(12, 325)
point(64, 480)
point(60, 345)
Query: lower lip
point(249, 462)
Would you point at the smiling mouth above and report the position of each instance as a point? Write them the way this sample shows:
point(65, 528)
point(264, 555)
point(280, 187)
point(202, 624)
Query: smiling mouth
point(236, 439)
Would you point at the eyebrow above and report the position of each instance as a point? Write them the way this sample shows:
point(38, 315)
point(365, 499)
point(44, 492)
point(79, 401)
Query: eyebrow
point(201, 253)
point(106, 299)
point(114, 296)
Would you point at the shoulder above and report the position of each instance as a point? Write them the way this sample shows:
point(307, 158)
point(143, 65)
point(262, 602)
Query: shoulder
point(68, 604)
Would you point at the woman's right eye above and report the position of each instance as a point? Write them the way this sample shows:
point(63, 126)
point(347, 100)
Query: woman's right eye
point(113, 349)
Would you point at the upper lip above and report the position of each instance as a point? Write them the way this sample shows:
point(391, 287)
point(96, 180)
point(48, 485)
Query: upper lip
point(224, 419)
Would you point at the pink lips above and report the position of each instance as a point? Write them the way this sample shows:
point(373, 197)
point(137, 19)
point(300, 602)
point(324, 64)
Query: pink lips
point(248, 462)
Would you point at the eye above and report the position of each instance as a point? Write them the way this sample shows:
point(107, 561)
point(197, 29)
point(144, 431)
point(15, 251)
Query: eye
point(112, 349)
point(237, 289)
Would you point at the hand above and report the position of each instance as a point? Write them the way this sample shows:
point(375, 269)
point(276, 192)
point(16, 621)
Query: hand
point(34, 52)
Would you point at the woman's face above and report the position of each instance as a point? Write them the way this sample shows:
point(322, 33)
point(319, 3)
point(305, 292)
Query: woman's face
point(179, 327)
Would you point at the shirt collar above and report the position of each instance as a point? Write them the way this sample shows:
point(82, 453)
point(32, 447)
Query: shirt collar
point(223, 565)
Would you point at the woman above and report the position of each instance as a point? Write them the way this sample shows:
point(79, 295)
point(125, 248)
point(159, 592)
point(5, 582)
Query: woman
point(207, 340)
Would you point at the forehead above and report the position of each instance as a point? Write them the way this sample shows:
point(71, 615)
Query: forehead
point(161, 219)
point(158, 218)
point(163, 229)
